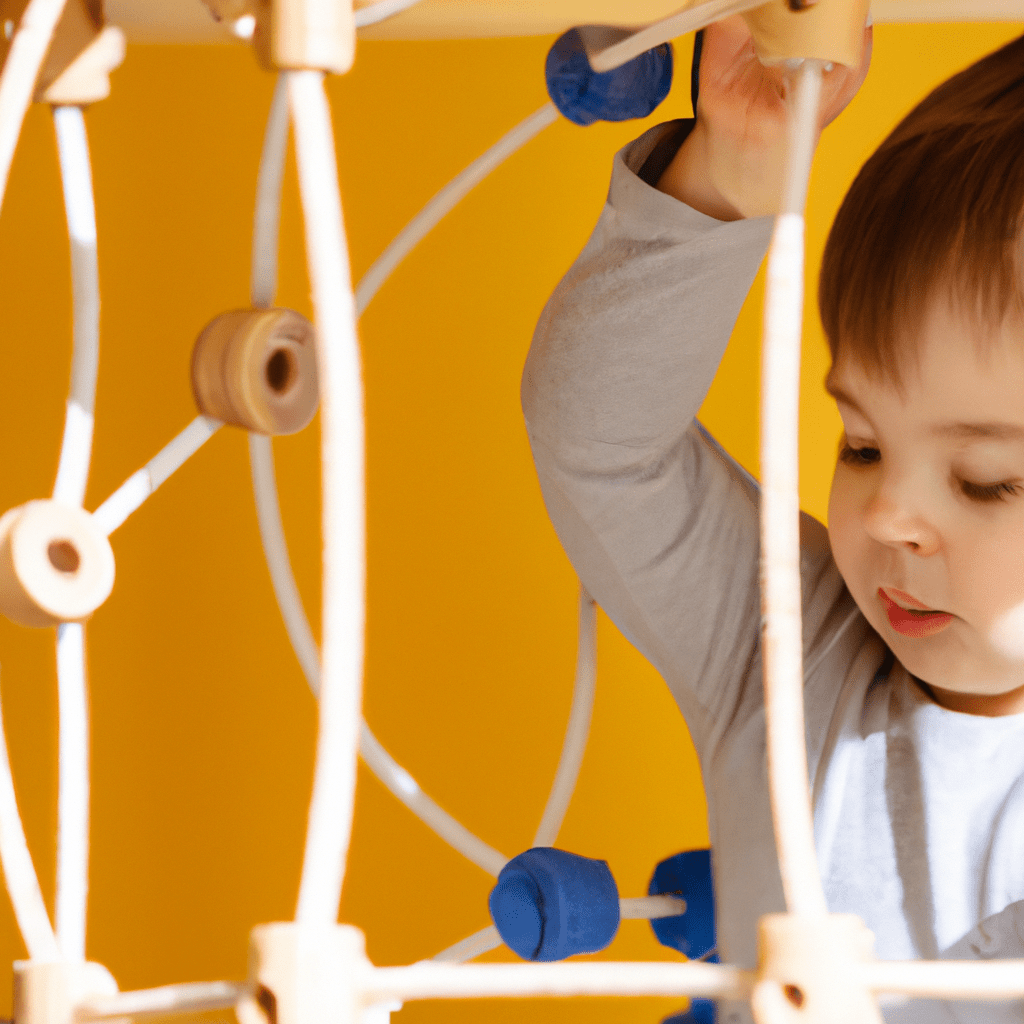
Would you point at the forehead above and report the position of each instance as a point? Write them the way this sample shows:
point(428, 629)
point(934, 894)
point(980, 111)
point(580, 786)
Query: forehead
point(962, 371)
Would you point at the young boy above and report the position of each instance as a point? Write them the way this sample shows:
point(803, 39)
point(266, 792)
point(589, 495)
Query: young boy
point(913, 600)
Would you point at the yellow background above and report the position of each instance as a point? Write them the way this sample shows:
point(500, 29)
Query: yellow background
point(202, 724)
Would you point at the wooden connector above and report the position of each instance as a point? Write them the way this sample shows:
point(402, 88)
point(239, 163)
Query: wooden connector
point(293, 35)
point(807, 971)
point(56, 564)
point(47, 993)
point(83, 52)
point(256, 368)
point(302, 974)
point(830, 30)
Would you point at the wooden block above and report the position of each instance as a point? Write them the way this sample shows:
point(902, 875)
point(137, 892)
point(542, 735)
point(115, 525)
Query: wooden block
point(303, 974)
point(56, 564)
point(807, 971)
point(831, 30)
point(312, 34)
point(81, 55)
point(46, 993)
point(256, 368)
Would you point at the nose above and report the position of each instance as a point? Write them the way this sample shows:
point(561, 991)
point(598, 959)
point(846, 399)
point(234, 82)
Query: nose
point(897, 516)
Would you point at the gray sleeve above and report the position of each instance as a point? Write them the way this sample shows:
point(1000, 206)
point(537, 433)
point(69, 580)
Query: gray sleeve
point(659, 522)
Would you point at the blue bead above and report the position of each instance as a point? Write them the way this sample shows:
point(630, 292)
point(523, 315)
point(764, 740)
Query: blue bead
point(584, 96)
point(549, 904)
point(688, 875)
point(701, 1011)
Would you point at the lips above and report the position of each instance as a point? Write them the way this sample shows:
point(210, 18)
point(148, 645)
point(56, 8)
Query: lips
point(917, 621)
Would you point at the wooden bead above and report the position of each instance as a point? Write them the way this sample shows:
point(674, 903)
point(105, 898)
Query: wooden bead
point(56, 564)
point(830, 30)
point(807, 971)
point(47, 992)
point(292, 35)
point(81, 56)
point(256, 368)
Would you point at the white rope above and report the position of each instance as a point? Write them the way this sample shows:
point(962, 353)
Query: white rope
point(428, 980)
point(446, 200)
point(342, 457)
point(76, 177)
point(575, 744)
point(19, 872)
point(142, 483)
point(267, 220)
point(275, 547)
point(24, 59)
point(780, 517)
point(196, 997)
point(381, 11)
point(650, 908)
point(73, 792)
point(470, 947)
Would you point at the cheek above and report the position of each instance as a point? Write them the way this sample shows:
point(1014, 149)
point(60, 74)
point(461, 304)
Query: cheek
point(844, 517)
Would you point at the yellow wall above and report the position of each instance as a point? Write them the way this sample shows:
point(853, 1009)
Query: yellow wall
point(203, 727)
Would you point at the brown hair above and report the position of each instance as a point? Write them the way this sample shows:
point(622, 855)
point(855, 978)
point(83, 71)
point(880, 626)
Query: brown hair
point(938, 205)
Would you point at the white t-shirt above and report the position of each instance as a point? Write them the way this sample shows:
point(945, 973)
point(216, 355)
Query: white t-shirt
point(919, 811)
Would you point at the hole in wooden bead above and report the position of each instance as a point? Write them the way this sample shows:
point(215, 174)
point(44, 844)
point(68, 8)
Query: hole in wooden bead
point(63, 556)
point(795, 995)
point(267, 1002)
point(281, 371)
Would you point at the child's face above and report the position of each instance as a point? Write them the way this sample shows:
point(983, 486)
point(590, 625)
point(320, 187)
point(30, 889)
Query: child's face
point(926, 516)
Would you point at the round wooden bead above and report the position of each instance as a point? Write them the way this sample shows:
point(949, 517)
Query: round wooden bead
point(256, 368)
point(56, 564)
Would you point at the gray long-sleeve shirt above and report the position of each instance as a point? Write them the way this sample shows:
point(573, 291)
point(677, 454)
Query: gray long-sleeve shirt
point(919, 811)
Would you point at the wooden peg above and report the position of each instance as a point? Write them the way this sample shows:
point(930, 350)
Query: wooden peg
point(56, 564)
point(830, 30)
point(47, 993)
point(807, 971)
point(312, 34)
point(303, 974)
point(256, 368)
point(81, 56)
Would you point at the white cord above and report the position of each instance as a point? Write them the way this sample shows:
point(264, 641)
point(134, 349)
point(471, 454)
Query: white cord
point(650, 908)
point(21, 68)
point(381, 11)
point(470, 947)
point(19, 872)
point(76, 177)
point(445, 200)
point(195, 997)
point(275, 547)
point(780, 517)
point(575, 744)
point(73, 792)
point(268, 200)
point(342, 457)
point(142, 483)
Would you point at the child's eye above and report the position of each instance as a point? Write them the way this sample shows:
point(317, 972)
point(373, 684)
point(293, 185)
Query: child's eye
point(989, 492)
point(858, 456)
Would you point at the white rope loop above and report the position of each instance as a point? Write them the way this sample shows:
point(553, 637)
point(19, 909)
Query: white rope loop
point(780, 517)
point(341, 419)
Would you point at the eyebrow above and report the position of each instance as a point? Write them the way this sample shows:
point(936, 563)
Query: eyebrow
point(958, 431)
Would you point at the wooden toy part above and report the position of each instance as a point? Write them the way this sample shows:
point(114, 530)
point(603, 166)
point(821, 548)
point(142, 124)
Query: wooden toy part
point(81, 56)
point(256, 368)
point(303, 974)
point(292, 35)
point(47, 993)
point(807, 971)
point(831, 30)
point(56, 564)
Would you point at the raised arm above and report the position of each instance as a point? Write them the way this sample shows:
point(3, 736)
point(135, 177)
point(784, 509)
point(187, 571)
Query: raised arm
point(660, 524)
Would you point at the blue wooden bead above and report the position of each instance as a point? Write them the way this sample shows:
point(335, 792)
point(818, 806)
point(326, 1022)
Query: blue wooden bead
point(584, 96)
point(549, 904)
point(687, 875)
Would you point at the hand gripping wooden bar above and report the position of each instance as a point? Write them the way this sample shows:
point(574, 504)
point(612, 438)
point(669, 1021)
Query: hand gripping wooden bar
point(77, 66)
